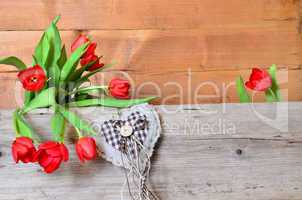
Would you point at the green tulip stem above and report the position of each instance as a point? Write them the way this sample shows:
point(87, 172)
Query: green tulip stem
point(272, 93)
point(101, 87)
point(16, 124)
point(78, 132)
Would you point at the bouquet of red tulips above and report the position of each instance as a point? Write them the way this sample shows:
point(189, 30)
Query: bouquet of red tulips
point(260, 81)
point(55, 81)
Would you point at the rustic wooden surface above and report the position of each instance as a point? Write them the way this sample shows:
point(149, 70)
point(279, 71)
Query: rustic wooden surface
point(160, 40)
point(256, 161)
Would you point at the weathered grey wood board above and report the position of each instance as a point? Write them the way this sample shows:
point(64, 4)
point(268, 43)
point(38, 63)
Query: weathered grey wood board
point(231, 151)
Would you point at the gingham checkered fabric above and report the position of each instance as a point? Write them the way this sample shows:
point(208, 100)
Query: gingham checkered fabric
point(111, 131)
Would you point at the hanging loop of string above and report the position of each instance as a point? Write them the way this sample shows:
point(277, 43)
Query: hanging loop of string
point(137, 176)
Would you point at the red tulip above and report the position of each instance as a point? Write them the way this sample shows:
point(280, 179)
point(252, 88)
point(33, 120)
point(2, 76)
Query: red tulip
point(260, 80)
point(50, 155)
point(89, 57)
point(119, 88)
point(80, 40)
point(86, 149)
point(96, 65)
point(33, 79)
point(23, 149)
point(90, 50)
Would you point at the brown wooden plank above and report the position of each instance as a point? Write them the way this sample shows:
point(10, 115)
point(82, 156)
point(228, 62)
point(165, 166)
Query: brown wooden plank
point(136, 14)
point(172, 51)
point(173, 88)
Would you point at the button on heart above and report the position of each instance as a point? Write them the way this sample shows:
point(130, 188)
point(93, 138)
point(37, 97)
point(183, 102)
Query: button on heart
point(126, 130)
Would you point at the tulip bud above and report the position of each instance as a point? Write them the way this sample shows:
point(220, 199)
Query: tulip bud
point(89, 59)
point(80, 40)
point(86, 149)
point(90, 50)
point(260, 80)
point(50, 155)
point(119, 88)
point(23, 149)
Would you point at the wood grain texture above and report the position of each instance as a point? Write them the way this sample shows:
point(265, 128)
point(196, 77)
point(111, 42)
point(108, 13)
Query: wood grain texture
point(218, 49)
point(190, 163)
point(161, 41)
point(136, 14)
point(173, 87)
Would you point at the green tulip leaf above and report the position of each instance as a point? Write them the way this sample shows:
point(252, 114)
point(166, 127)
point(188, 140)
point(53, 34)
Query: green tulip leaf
point(15, 123)
point(91, 89)
point(48, 50)
point(28, 96)
point(41, 52)
point(63, 57)
point(72, 62)
point(54, 74)
point(54, 35)
point(98, 70)
point(110, 102)
point(241, 91)
point(86, 77)
point(275, 91)
point(44, 99)
point(270, 96)
point(58, 126)
point(14, 61)
point(78, 73)
point(75, 120)
point(22, 127)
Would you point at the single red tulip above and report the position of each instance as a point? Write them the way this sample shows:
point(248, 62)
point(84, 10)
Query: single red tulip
point(90, 50)
point(89, 59)
point(80, 40)
point(119, 88)
point(50, 155)
point(23, 149)
point(260, 80)
point(95, 66)
point(33, 79)
point(86, 149)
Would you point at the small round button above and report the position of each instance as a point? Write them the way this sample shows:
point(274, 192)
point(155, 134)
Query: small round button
point(126, 130)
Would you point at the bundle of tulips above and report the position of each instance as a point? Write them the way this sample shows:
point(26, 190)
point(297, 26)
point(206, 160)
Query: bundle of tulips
point(55, 81)
point(260, 81)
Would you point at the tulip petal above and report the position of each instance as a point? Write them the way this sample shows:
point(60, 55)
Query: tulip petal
point(54, 165)
point(45, 160)
point(64, 152)
point(25, 141)
point(48, 145)
point(15, 155)
point(80, 153)
point(80, 40)
point(89, 151)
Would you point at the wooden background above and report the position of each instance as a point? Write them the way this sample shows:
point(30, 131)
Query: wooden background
point(197, 158)
point(163, 42)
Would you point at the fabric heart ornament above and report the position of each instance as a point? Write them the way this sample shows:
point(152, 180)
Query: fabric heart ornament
point(124, 135)
point(128, 140)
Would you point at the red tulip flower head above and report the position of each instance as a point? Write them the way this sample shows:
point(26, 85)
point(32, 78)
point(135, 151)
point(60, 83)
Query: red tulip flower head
point(80, 40)
point(89, 57)
point(23, 150)
point(33, 79)
point(96, 65)
point(119, 88)
point(86, 149)
point(90, 50)
point(51, 154)
point(260, 80)
point(92, 60)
